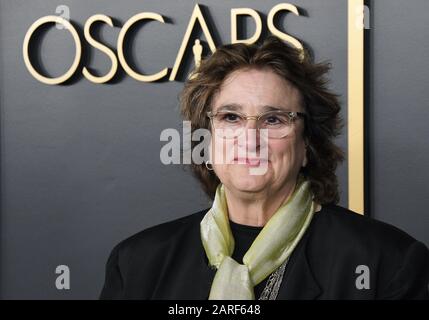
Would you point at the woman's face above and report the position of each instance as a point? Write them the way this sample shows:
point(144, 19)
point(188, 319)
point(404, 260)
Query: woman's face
point(249, 91)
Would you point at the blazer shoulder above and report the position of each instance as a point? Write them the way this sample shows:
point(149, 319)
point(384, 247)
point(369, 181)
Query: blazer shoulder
point(348, 240)
point(341, 225)
point(162, 234)
point(138, 258)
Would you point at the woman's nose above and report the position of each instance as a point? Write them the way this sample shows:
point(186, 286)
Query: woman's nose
point(250, 138)
point(251, 124)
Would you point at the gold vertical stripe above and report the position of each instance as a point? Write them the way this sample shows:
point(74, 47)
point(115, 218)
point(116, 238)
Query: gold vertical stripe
point(356, 105)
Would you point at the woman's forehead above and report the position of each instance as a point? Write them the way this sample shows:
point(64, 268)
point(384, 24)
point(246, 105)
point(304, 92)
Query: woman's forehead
point(260, 89)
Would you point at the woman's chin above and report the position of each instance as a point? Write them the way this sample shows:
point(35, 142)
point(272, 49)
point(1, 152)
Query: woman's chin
point(250, 183)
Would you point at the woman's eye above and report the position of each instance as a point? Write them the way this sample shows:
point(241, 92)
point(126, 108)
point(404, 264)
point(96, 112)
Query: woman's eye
point(272, 120)
point(276, 119)
point(230, 117)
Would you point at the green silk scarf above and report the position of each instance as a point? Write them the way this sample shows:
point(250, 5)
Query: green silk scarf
point(273, 245)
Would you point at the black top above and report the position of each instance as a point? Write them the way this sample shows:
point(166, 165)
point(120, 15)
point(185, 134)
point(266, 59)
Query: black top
point(342, 255)
point(243, 238)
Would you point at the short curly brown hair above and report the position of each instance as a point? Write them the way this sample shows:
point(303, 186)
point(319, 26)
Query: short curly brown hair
point(322, 124)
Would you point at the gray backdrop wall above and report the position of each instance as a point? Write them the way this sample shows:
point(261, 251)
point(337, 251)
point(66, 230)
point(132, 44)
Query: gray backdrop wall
point(80, 167)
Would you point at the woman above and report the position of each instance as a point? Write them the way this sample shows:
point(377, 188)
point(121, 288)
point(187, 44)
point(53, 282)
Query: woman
point(274, 230)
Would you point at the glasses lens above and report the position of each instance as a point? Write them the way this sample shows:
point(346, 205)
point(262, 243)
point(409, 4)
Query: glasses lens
point(228, 124)
point(276, 124)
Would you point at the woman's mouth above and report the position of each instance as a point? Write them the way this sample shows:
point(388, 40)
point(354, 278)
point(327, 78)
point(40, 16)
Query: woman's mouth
point(250, 162)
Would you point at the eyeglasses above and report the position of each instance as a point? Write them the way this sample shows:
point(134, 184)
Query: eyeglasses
point(231, 124)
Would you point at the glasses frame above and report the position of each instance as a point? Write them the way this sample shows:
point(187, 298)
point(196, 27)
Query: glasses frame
point(293, 116)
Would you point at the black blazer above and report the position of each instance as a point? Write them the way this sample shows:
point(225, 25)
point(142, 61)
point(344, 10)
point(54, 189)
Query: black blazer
point(168, 261)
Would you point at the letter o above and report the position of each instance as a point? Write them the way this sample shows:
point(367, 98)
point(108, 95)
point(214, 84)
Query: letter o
point(78, 51)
